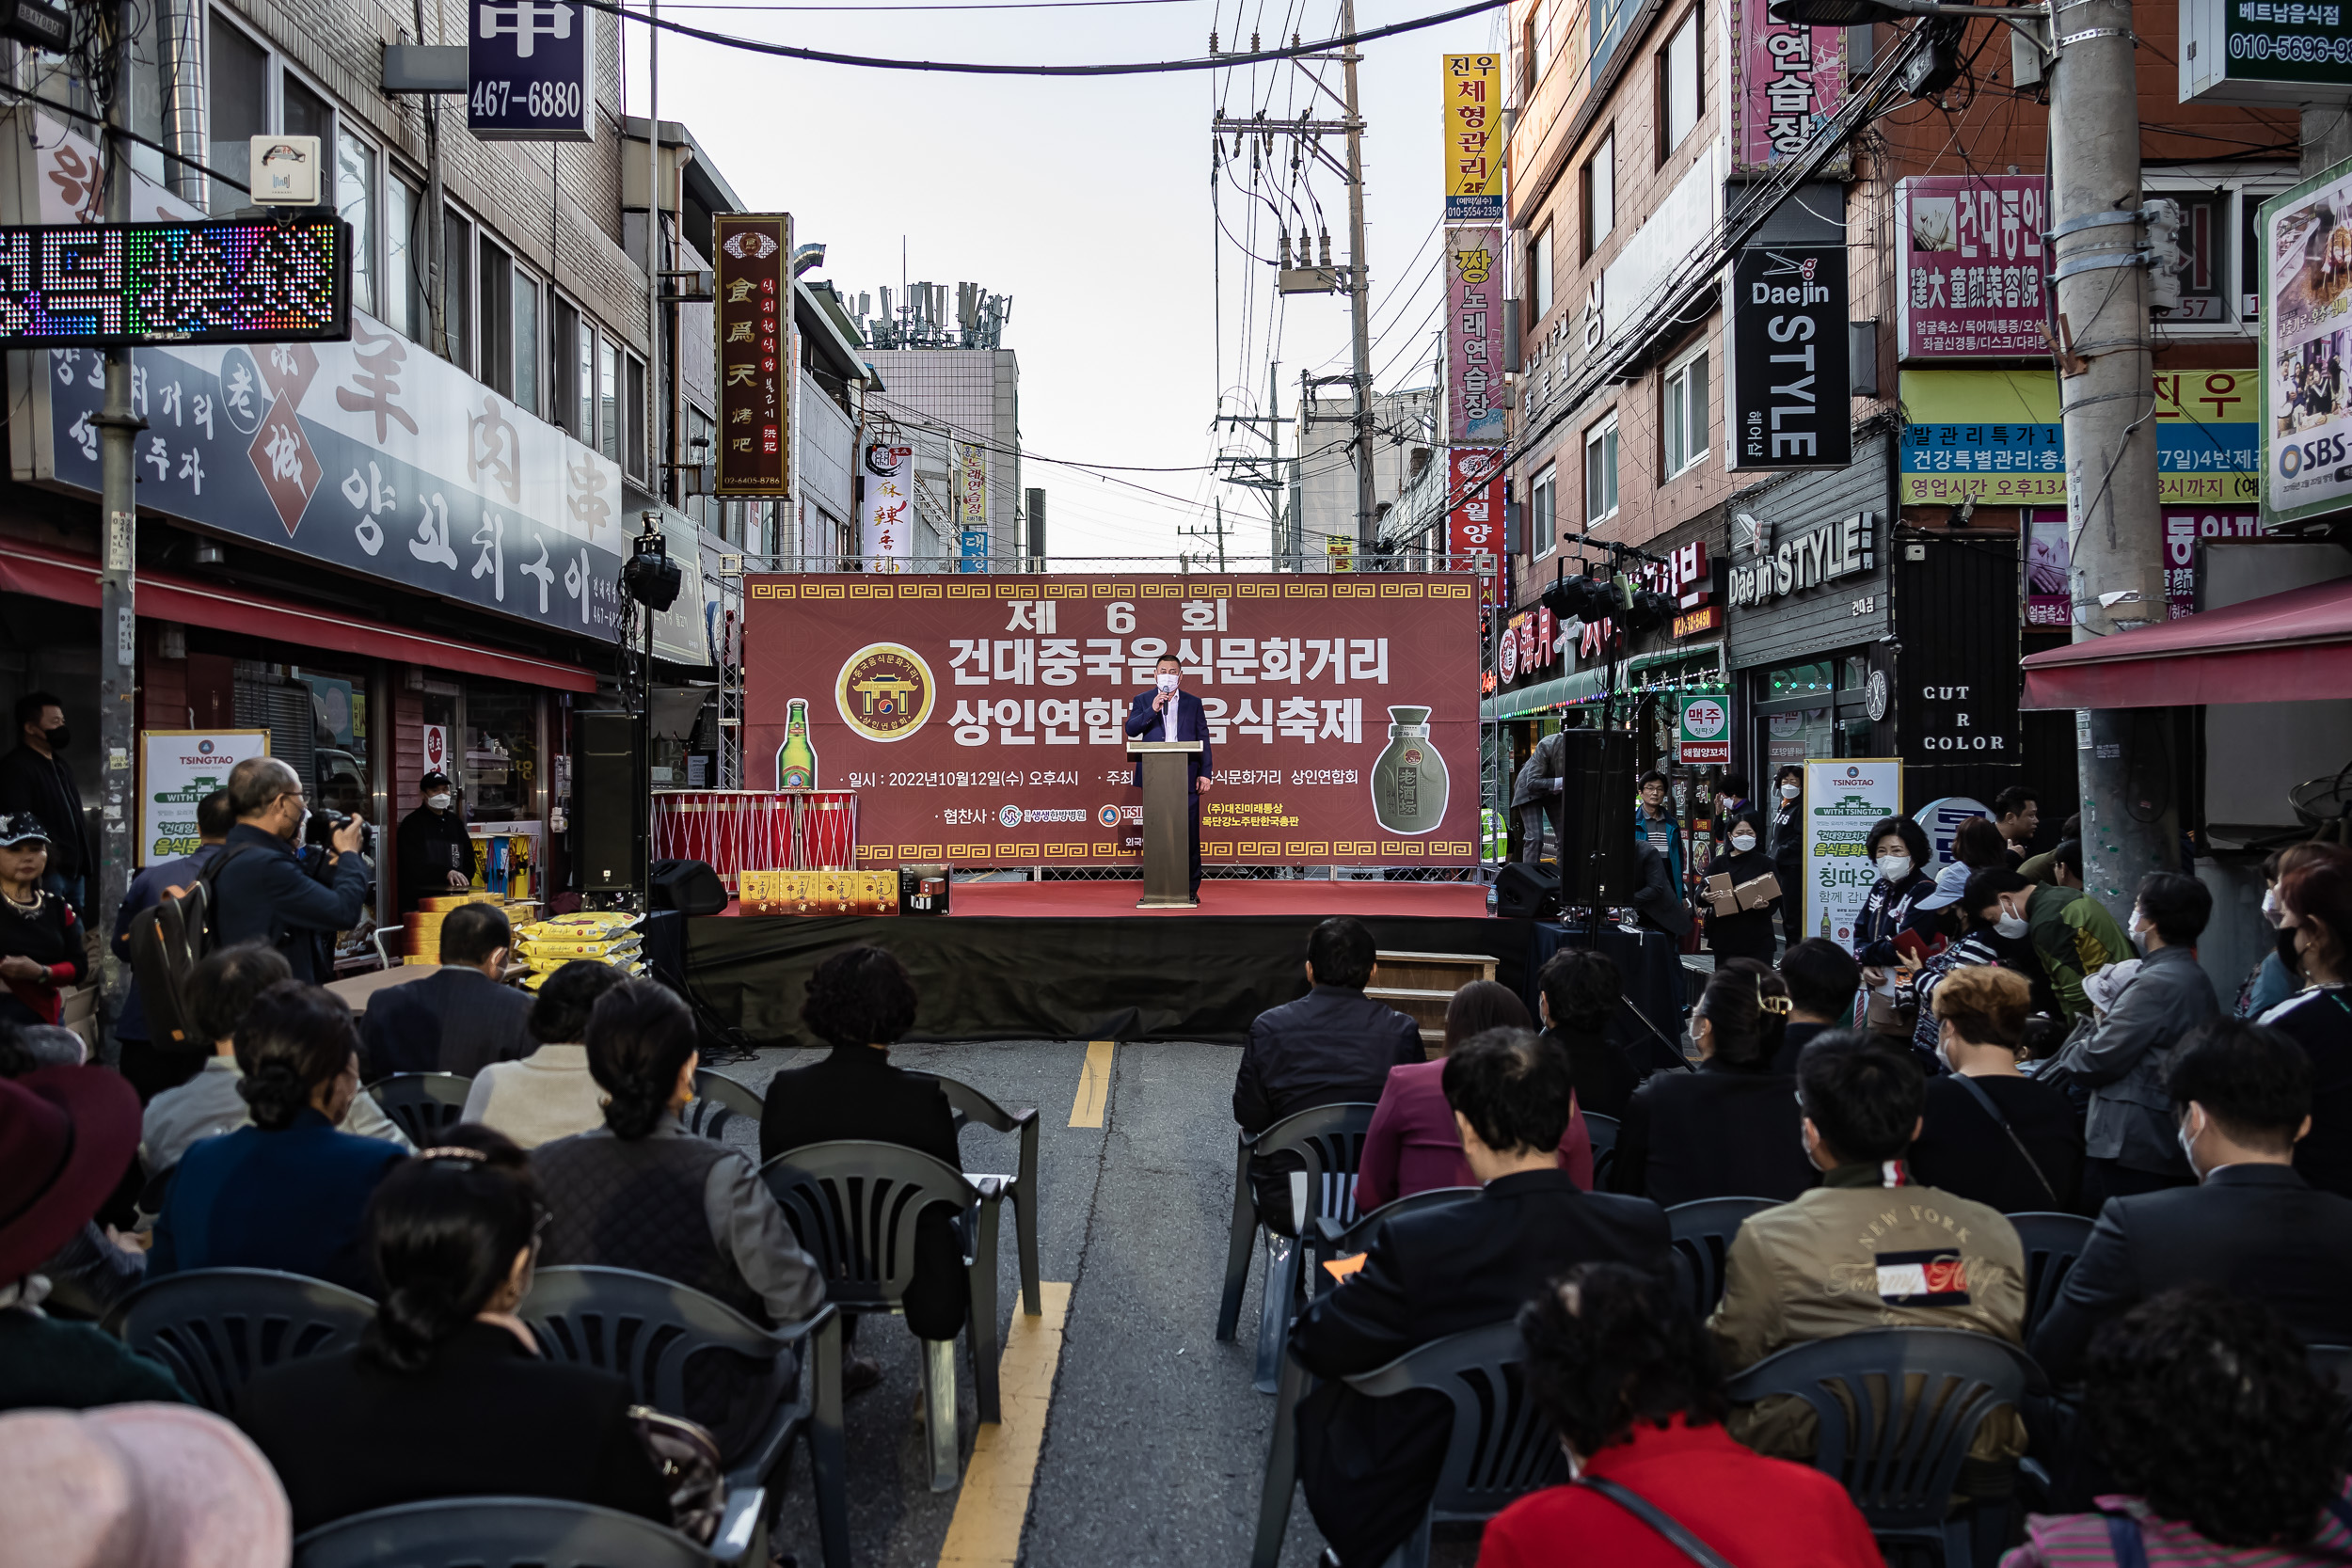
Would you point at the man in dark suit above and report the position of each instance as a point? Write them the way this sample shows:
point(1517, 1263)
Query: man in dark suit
point(2242, 1095)
point(1168, 713)
point(1370, 1465)
point(262, 889)
point(459, 1019)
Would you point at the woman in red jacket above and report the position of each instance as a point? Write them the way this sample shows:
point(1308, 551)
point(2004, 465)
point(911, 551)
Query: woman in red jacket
point(1625, 1372)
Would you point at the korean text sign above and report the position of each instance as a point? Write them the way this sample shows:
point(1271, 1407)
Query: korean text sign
point(1998, 436)
point(1474, 519)
point(1473, 139)
point(1787, 81)
point(754, 317)
point(1975, 273)
point(982, 721)
point(2304, 238)
point(1843, 797)
point(1473, 334)
point(528, 65)
point(177, 769)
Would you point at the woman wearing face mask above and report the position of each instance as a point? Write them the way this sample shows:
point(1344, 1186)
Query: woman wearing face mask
point(1743, 933)
point(2315, 898)
point(1785, 843)
point(1988, 1132)
point(1731, 1129)
point(2279, 975)
point(1892, 929)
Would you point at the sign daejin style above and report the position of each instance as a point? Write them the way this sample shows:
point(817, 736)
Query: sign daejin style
point(235, 282)
point(1790, 381)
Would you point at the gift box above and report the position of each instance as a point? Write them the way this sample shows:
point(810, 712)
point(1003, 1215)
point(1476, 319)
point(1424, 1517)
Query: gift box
point(1757, 891)
point(923, 889)
point(1721, 897)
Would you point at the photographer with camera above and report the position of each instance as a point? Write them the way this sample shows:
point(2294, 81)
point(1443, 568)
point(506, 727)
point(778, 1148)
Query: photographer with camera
point(262, 892)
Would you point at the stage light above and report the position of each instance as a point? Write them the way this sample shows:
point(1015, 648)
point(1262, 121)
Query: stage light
point(650, 577)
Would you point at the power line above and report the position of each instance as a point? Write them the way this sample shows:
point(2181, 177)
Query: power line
point(966, 5)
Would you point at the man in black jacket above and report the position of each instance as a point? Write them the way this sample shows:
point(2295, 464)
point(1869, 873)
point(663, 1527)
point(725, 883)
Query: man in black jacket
point(261, 890)
point(34, 778)
point(459, 1019)
point(1370, 1465)
point(436, 855)
point(1823, 978)
point(2243, 1095)
point(1332, 1045)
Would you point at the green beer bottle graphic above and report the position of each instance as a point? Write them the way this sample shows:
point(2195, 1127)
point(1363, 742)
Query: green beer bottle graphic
point(796, 759)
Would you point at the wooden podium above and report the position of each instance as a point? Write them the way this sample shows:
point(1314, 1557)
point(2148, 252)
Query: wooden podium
point(1167, 823)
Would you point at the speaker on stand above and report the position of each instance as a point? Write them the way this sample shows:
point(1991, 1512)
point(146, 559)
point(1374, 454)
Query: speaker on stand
point(611, 802)
point(1597, 864)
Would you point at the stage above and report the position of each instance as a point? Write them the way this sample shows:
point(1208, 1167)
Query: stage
point(1077, 960)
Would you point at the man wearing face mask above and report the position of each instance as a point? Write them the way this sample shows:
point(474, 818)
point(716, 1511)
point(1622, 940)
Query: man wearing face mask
point(1165, 712)
point(436, 854)
point(2069, 936)
point(260, 890)
point(34, 778)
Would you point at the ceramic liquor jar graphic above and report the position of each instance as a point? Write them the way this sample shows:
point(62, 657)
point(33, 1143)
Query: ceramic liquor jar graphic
point(1409, 782)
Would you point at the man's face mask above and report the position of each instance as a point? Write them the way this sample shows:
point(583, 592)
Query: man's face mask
point(1167, 680)
point(439, 802)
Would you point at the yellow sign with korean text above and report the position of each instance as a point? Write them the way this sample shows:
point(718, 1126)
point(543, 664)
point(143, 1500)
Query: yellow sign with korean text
point(1997, 437)
point(1473, 139)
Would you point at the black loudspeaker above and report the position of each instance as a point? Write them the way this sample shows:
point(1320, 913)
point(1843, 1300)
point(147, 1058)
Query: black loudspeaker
point(1524, 892)
point(690, 887)
point(1597, 819)
point(611, 803)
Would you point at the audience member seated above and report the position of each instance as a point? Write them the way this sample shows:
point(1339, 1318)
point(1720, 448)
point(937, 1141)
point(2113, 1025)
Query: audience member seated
point(458, 1019)
point(446, 1396)
point(97, 1266)
point(2242, 1096)
point(1988, 1132)
point(67, 1134)
point(220, 989)
point(550, 1093)
point(1929, 1259)
point(290, 1191)
point(860, 1002)
point(2130, 1137)
point(2224, 1446)
point(1822, 980)
point(1728, 1130)
point(1619, 1365)
point(138, 1486)
point(1369, 1464)
point(2317, 901)
point(1412, 1146)
point(1578, 994)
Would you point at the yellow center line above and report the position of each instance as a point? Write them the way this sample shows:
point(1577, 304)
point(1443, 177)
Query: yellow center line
point(1094, 1086)
point(986, 1529)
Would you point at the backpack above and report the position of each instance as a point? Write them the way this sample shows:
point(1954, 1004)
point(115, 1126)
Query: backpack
point(165, 942)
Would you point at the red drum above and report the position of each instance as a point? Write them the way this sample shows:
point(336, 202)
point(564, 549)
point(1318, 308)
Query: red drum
point(751, 829)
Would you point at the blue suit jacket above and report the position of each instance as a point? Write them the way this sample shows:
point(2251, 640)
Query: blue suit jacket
point(295, 1200)
point(1192, 723)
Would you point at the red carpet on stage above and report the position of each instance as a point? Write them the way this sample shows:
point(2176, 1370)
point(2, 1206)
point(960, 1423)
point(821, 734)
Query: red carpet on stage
point(1455, 900)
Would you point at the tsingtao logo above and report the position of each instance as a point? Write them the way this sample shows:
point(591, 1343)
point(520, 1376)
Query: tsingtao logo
point(884, 691)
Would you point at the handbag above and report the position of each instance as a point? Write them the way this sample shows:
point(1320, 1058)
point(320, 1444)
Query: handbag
point(1658, 1519)
point(688, 1457)
point(1977, 1092)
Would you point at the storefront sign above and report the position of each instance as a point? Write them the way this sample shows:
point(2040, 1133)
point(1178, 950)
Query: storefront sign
point(1788, 383)
point(1787, 81)
point(1507, 650)
point(1473, 139)
point(1474, 521)
point(982, 721)
point(2304, 237)
point(1692, 622)
point(263, 282)
point(177, 769)
point(2182, 532)
point(1807, 560)
point(1975, 270)
point(682, 633)
point(2262, 51)
point(1843, 798)
point(972, 506)
point(1941, 820)
point(1473, 334)
point(888, 511)
point(754, 318)
point(1997, 436)
point(1703, 735)
point(2049, 567)
point(528, 72)
point(435, 749)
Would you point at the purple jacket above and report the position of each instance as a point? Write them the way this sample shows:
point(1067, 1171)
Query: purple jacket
point(1412, 1145)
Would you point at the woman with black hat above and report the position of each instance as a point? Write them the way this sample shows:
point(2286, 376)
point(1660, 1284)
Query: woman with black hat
point(42, 951)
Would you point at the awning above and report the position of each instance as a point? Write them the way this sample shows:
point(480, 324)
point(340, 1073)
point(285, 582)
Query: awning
point(2288, 647)
point(73, 580)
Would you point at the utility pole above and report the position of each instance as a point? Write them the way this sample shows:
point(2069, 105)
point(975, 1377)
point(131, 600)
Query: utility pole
point(1359, 285)
point(118, 504)
point(1245, 470)
point(2108, 393)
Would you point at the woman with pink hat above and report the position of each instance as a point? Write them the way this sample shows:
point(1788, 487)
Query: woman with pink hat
point(138, 1486)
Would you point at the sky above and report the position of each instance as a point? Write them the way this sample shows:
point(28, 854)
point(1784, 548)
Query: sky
point(1089, 201)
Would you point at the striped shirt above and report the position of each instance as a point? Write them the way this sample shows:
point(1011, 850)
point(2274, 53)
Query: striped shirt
point(2083, 1541)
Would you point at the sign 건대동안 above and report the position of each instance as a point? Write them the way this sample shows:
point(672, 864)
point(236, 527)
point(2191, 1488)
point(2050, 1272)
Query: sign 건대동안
point(2305, 235)
point(1787, 82)
point(752, 316)
point(1975, 270)
point(1473, 335)
point(529, 67)
point(1843, 798)
point(1789, 383)
point(220, 282)
point(1473, 139)
point(1704, 735)
point(1997, 436)
point(177, 769)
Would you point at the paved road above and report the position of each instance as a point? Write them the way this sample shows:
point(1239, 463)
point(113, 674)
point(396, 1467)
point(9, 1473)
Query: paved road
point(1154, 1443)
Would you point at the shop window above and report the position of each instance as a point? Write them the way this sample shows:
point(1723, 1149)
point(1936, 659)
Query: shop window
point(638, 440)
point(525, 315)
point(1684, 415)
point(564, 366)
point(498, 320)
point(608, 392)
point(304, 112)
point(1600, 191)
point(238, 90)
point(1600, 472)
point(404, 259)
point(457, 291)
point(1797, 680)
point(501, 753)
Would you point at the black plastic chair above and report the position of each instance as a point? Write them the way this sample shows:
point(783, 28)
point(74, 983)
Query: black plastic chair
point(1331, 1140)
point(2333, 1363)
point(648, 1329)
point(1602, 1131)
point(853, 1206)
point(1897, 1409)
point(1500, 1449)
point(2053, 1241)
point(717, 1100)
point(971, 1105)
point(1333, 1240)
point(214, 1328)
point(519, 1532)
point(1702, 1231)
point(422, 1105)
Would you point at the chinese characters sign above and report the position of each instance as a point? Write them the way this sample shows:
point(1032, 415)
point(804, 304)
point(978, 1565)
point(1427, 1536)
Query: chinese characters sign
point(754, 313)
point(972, 507)
point(2304, 244)
point(1473, 334)
point(1787, 81)
point(1997, 436)
point(983, 720)
point(527, 66)
point(1974, 275)
point(1473, 139)
point(886, 527)
point(175, 282)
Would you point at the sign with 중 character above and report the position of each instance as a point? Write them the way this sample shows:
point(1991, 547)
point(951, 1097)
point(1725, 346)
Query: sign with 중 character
point(753, 313)
point(529, 71)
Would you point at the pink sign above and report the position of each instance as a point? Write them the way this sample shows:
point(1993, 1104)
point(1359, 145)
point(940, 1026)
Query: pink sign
point(1787, 81)
point(2183, 530)
point(1975, 270)
point(1474, 520)
point(1473, 335)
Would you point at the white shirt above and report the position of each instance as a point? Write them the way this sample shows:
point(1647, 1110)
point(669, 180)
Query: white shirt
point(1168, 718)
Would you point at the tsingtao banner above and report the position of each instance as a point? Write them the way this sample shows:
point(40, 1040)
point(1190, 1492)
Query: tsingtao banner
point(1843, 799)
point(177, 769)
point(983, 721)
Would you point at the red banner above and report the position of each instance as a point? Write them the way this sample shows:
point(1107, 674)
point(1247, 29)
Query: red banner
point(983, 722)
